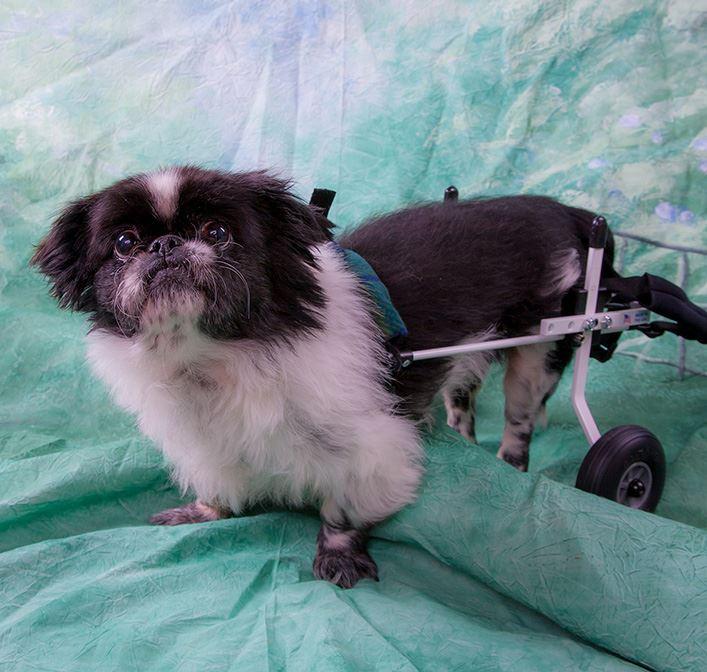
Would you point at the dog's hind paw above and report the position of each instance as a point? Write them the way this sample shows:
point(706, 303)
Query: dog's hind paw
point(519, 460)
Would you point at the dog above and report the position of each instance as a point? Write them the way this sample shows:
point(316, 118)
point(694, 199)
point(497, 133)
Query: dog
point(224, 316)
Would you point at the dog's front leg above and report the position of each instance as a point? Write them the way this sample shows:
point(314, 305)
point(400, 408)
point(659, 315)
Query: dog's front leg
point(209, 506)
point(342, 557)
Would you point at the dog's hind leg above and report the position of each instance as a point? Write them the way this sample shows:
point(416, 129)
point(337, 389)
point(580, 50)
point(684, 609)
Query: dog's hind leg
point(461, 409)
point(556, 361)
point(532, 374)
point(463, 383)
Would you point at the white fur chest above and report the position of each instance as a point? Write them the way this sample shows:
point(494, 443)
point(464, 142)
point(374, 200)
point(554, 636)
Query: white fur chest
point(239, 422)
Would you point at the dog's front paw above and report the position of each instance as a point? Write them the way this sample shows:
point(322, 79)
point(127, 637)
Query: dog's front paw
point(196, 512)
point(345, 569)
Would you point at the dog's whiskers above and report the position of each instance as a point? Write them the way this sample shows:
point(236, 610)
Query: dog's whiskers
point(223, 264)
point(118, 303)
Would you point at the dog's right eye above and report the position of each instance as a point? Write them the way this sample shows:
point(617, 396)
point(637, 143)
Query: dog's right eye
point(125, 242)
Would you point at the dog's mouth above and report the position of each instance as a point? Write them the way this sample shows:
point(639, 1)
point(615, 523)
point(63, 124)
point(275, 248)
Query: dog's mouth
point(167, 273)
point(169, 290)
point(170, 287)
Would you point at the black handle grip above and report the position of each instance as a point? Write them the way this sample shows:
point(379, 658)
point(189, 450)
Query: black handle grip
point(599, 233)
point(451, 193)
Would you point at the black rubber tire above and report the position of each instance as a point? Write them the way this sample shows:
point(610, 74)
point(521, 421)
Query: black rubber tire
point(615, 452)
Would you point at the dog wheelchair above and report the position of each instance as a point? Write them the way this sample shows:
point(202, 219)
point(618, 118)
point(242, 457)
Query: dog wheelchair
point(627, 463)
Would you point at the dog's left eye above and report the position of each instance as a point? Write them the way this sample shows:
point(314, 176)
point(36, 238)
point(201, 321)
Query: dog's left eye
point(215, 232)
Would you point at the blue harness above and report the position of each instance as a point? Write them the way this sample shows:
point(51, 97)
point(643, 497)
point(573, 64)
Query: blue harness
point(387, 317)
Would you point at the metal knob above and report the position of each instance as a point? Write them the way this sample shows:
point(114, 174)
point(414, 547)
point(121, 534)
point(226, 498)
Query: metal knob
point(451, 193)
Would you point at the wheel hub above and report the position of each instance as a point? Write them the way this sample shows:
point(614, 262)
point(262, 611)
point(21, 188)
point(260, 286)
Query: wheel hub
point(636, 488)
point(635, 485)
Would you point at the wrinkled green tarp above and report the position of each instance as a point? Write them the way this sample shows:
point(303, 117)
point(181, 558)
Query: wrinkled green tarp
point(600, 104)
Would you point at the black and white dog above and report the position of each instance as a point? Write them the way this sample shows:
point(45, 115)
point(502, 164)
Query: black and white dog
point(225, 318)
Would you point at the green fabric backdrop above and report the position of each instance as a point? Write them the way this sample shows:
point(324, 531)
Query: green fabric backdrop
point(599, 104)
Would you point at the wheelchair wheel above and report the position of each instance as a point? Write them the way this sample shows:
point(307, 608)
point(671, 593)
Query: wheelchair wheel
point(627, 465)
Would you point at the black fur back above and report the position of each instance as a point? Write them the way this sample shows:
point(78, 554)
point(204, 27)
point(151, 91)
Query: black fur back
point(454, 270)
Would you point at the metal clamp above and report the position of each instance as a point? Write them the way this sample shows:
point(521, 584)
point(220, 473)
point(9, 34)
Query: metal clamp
point(613, 320)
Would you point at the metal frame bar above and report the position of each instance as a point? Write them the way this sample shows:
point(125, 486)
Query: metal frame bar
point(581, 358)
point(482, 346)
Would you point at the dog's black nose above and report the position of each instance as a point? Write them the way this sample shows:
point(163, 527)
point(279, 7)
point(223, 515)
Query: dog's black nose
point(165, 244)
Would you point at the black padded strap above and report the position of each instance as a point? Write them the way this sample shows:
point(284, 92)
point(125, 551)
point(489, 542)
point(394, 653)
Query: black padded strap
point(322, 200)
point(663, 297)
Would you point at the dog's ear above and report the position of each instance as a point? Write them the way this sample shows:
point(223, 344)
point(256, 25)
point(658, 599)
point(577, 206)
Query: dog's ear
point(292, 218)
point(62, 256)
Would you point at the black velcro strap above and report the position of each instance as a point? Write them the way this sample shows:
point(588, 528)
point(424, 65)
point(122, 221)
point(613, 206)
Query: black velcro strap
point(322, 200)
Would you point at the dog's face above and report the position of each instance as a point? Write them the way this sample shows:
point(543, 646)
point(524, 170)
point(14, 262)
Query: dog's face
point(231, 251)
